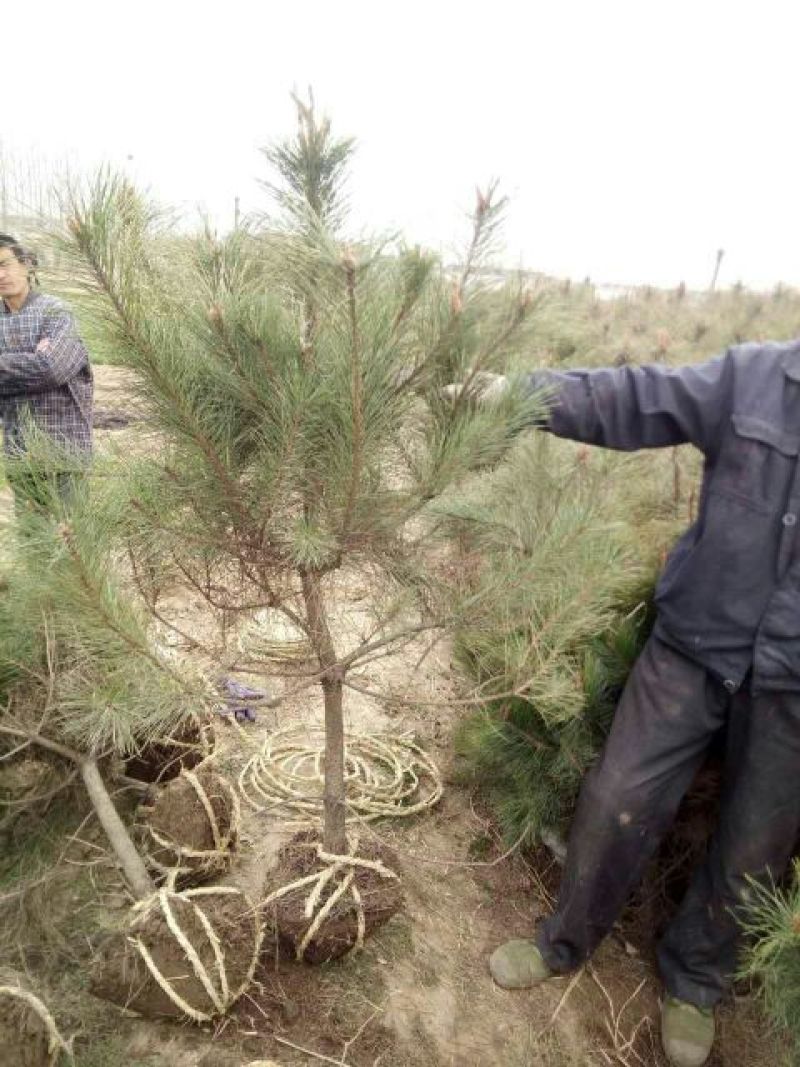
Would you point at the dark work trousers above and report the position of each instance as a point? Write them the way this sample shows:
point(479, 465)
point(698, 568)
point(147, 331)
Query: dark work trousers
point(669, 712)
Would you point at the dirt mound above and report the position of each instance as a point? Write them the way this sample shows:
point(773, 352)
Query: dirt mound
point(192, 828)
point(334, 905)
point(163, 759)
point(183, 954)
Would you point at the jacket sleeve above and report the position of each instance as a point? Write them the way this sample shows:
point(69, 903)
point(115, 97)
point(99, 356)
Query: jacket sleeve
point(58, 357)
point(638, 407)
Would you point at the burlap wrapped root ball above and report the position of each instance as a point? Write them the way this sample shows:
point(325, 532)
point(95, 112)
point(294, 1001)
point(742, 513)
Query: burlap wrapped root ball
point(187, 955)
point(164, 758)
point(320, 906)
point(191, 831)
point(28, 1033)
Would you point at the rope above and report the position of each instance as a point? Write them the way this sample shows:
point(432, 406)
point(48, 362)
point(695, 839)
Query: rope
point(335, 867)
point(216, 986)
point(384, 776)
point(203, 861)
point(270, 636)
point(55, 1042)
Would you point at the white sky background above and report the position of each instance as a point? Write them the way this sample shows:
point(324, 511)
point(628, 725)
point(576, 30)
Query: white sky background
point(634, 137)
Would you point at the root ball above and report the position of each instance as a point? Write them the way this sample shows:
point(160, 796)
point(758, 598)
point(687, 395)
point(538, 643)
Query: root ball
point(189, 954)
point(192, 829)
point(320, 907)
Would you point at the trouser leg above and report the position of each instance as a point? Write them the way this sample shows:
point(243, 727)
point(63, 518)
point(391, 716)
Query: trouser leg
point(669, 711)
point(758, 826)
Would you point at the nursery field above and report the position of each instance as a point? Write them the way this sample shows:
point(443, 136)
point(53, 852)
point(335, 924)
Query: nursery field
point(301, 676)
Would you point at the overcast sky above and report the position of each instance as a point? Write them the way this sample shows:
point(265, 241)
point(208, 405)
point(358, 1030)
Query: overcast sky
point(633, 137)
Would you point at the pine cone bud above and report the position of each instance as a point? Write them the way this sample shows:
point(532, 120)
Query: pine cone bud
point(214, 314)
point(456, 303)
point(482, 203)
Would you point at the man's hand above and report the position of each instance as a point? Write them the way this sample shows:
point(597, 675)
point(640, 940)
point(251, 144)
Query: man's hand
point(483, 388)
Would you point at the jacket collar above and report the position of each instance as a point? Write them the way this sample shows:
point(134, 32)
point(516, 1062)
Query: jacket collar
point(33, 295)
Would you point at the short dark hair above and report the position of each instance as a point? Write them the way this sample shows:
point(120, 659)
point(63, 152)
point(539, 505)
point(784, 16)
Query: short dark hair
point(23, 254)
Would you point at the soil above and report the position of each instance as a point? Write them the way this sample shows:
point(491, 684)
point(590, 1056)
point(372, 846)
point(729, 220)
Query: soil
point(163, 760)
point(24, 1040)
point(287, 922)
point(120, 974)
point(179, 817)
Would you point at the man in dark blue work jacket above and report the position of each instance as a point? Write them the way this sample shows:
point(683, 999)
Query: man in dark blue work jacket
point(725, 652)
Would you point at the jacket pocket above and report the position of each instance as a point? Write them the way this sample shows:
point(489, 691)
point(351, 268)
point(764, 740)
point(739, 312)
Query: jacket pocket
point(756, 462)
point(714, 592)
point(753, 429)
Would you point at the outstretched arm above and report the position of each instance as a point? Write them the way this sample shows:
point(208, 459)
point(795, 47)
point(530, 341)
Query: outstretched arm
point(638, 407)
point(58, 357)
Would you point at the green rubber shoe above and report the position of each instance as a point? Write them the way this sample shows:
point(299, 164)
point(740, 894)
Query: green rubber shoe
point(518, 964)
point(687, 1032)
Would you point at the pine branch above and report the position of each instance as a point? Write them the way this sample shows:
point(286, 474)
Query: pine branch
point(142, 344)
point(137, 646)
point(356, 397)
point(485, 220)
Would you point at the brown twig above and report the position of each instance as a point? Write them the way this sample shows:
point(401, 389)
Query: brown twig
point(622, 1047)
point(562, 1000)
point(358, 1034)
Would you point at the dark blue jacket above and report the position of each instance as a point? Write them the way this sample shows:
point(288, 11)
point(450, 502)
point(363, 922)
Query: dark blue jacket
point(729, 596)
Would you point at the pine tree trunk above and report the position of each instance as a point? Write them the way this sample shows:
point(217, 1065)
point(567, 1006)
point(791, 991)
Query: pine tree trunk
point(131, 862)
point(334, 837)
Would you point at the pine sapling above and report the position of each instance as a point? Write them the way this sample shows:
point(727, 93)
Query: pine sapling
point(295, 379)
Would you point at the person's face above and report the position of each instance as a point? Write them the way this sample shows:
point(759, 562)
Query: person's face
point(13, 276)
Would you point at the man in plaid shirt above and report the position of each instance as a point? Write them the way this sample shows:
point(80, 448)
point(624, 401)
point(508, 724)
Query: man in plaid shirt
point(45, 376)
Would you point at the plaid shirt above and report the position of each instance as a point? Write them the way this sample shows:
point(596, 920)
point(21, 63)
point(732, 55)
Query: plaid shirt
point(45, 377)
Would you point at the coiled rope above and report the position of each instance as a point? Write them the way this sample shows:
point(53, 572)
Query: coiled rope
point(271, 637)
point(385, 776)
